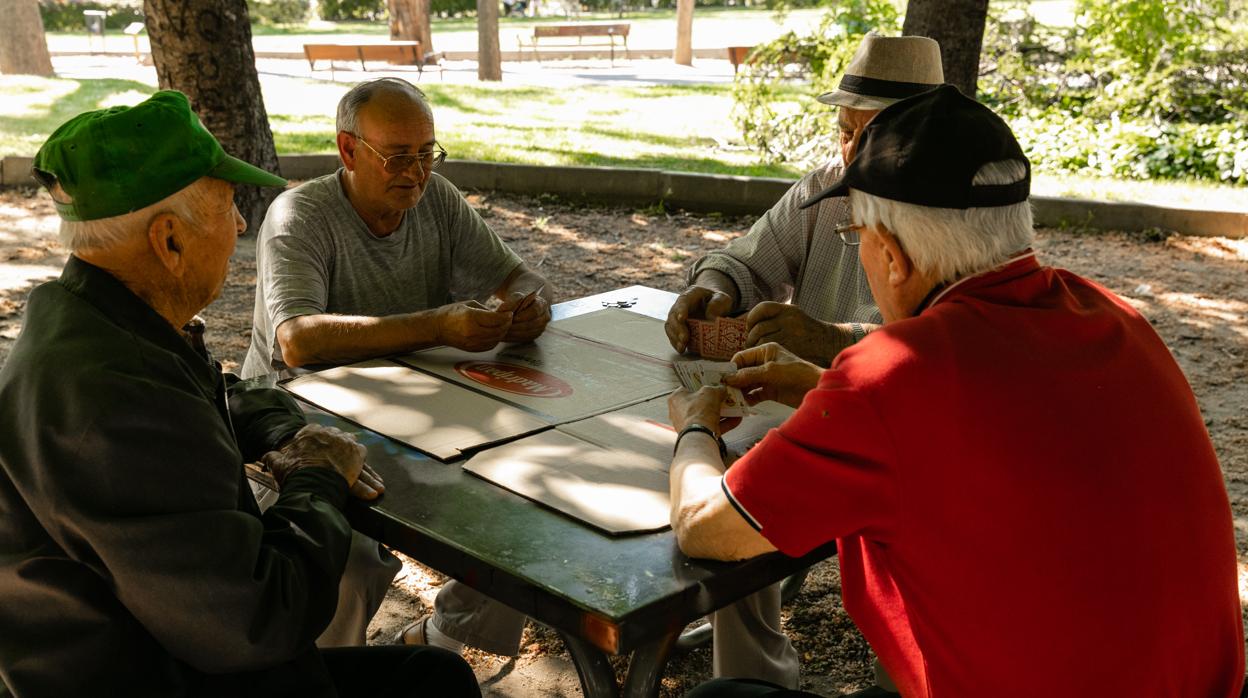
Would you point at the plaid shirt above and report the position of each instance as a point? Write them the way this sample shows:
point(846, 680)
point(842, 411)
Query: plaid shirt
point(794, 255)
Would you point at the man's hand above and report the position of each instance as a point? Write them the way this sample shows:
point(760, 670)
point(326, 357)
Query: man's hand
point(801, 334)
point(696, 302)
point(316, 446)
point(528, 321)
point(771, 372)
point(703, 407)
point(471, 326)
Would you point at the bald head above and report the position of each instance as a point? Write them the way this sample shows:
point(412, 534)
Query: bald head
point(384, 99)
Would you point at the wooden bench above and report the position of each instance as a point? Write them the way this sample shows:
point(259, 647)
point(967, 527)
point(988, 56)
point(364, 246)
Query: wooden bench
point(562, 34)
point(738, 55)
point(399, 52)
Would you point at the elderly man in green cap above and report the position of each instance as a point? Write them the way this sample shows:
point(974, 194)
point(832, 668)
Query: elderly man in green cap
point(133, 557)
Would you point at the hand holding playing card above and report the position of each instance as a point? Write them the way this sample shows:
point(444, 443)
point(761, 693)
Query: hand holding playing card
point(719, 339)
point(530, 315)
point(694, 375)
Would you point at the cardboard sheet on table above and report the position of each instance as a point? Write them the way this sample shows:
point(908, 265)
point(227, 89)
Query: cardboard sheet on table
point(560, 376)
point(432, 415)
point(621, 328)
point(615, 490)
point(611, 470)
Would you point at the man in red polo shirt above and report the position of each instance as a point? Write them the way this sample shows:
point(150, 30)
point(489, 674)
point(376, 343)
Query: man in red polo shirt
point(1016, 472)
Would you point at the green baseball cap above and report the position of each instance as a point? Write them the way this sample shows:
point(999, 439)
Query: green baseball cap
point(113, 161)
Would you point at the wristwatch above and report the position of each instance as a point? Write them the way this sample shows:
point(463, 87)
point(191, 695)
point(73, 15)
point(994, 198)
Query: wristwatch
point(719, 440)
point(858, 331)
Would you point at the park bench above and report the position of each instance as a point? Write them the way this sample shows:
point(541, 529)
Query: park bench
point(563, 34)
point(737, 55)
point(398, 52)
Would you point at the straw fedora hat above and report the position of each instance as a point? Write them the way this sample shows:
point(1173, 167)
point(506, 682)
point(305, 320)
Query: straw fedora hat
point(887, 69)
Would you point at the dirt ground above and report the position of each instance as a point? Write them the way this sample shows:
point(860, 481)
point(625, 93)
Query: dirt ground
point(1194, 290)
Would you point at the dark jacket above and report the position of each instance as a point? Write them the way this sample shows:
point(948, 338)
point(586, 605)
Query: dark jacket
point(133, 558)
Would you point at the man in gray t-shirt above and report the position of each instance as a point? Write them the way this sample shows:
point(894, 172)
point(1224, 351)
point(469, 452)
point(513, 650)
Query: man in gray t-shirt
point(385, 257)
point(316, 257)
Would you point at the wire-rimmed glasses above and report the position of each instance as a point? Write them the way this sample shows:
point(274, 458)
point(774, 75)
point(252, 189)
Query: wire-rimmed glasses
point(401, 162)
point(849, 234)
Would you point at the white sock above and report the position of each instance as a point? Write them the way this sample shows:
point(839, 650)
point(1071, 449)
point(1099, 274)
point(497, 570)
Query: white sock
point(437, 638)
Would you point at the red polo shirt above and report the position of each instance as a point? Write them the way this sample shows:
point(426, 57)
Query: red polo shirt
point(1024, 495)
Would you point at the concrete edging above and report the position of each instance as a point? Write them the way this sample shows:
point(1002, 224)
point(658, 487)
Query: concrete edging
point(728, 194)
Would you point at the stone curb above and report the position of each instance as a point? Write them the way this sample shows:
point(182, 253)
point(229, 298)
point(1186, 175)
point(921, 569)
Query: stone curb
point(728, 194)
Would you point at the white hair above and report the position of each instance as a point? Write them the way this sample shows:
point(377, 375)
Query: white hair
point(951, 243)
point(187, 203)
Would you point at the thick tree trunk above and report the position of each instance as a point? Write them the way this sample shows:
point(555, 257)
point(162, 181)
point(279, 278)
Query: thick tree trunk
point(409, 21)
point(958, 25)
point(683, 54)
point(203, 49)
point(489, 60)
point(23, 47)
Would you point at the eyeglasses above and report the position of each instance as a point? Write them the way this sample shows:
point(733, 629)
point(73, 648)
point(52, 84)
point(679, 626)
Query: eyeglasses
point(849, 234)
point(394, 164)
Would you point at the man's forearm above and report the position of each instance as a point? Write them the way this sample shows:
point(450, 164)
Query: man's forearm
point(705, 522)
point(720, 282)
point(339, 339)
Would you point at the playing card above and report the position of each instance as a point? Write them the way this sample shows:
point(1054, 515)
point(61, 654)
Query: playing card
point(695, 374)
point(731, 334)
point(701, 336)
point(528, 300)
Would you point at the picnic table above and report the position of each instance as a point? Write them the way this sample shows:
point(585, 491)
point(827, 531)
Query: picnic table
point(604, 595)
point(563, 34)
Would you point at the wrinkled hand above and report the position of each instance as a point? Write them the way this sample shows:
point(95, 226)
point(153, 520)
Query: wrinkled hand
point(529, 323)
point(801, 334)
point(696, 302)
point(316, 446)
point(471, 326)
point(703, 407)
point(771, 372)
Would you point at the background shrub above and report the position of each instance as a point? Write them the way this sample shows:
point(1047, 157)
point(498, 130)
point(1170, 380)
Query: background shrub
point(66, 15)
point(278, 11)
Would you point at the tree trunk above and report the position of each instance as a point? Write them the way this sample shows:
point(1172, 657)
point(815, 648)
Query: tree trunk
point(958, 25)
point(683, 54)
point(23, 47)
point(409, 21)
point(202, 48)
point(489, 60)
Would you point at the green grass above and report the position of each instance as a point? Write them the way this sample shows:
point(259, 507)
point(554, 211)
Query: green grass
point(31, 108)
point(671, 127)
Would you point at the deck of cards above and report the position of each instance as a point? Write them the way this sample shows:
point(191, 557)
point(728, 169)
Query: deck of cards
point(695, 374)
point(717, 339)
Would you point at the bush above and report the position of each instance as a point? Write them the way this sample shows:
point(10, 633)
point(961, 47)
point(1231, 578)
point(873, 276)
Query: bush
point(1137, 89)
point(1121, 149)
point(66, 15)
point(452, 8)
point(272, 12)
point(338, 10)
point(774, 92)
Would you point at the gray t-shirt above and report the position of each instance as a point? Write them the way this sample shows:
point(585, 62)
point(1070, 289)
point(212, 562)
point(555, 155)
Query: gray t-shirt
point(315, 255)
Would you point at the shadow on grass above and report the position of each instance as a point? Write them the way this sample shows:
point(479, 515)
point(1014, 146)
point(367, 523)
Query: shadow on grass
point(85, 96)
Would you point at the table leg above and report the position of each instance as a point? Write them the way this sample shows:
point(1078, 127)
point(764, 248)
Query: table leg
point(645, 668)
point(597, 676)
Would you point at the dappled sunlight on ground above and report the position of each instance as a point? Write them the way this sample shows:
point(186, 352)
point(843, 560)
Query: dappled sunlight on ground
point(1218, 248)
